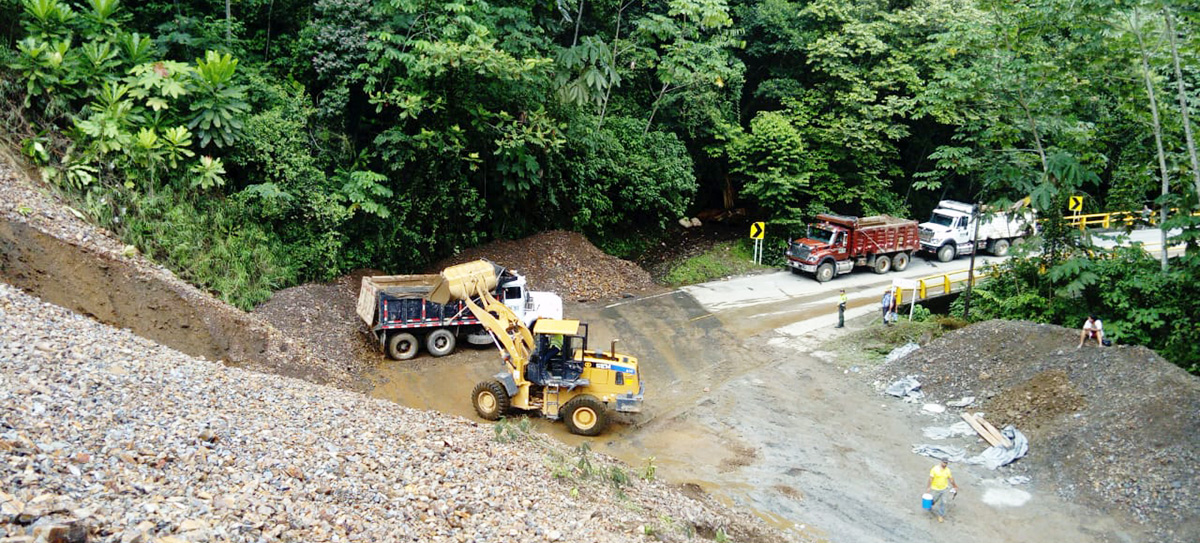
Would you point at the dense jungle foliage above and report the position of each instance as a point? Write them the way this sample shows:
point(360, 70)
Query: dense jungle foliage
point(255, 144)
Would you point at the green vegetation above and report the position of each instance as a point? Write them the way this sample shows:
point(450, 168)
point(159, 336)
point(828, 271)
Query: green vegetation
point(722, 260)
point(278, 142)
point(513, 430)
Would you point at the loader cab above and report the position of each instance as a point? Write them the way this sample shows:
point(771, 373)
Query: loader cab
point(558, 352)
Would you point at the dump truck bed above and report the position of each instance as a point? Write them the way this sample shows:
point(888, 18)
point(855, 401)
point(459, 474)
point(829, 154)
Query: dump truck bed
point(397, 286)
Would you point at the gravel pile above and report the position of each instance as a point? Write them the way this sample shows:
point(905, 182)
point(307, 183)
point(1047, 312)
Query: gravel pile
point(106, 436)
point(563, 262)
point(1112, 427)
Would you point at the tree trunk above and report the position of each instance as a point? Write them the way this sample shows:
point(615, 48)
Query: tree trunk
point(228, 25)
point(1162, 159)
point(578, 21)
point(1183, 107)
point(654, 109)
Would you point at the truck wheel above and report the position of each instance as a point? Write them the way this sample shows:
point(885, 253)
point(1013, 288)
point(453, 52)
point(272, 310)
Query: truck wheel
point(440, 342)
point(585, 416)
point(1000, 247)
point(900, 262)
point(490, 400)
point(883, 264)
point(825, 272)
point(946, 253)
point(402, 346)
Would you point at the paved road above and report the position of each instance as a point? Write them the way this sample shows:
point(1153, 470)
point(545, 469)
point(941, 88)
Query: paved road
point(798, 304)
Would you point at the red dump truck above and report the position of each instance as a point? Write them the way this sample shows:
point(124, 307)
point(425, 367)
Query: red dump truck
point(835, 244)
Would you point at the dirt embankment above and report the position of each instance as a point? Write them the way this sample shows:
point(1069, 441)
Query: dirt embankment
point(1114, 427)
point(48, 250)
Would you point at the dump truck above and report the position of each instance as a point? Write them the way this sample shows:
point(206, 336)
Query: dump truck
point(549, 369)
point(952, 227)
point(836, 244)
point(401, 316)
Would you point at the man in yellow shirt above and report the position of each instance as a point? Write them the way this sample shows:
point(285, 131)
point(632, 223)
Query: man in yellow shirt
point(941, 480)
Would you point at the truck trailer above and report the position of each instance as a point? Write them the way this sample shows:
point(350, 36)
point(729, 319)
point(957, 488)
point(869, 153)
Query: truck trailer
point(401, 315)
point(951, 229)
point(836, 244)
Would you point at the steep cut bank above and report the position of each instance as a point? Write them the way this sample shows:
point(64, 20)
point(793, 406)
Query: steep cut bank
point(48, 250)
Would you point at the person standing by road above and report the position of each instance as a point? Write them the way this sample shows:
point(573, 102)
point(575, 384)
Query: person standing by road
point(842, 310)
point(887, 304)
point(941, 481)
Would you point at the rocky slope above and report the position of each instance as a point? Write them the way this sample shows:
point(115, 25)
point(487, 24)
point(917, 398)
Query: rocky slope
point(126, 440)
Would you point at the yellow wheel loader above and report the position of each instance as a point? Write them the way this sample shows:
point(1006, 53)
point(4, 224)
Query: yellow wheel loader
point(550, 369)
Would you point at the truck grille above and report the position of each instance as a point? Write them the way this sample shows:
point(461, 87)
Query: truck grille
point(798, 250)
point(926, 235)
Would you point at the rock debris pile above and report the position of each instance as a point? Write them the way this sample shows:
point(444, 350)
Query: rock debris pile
point(563, 262)
point(106, 436)
point(1112, 427)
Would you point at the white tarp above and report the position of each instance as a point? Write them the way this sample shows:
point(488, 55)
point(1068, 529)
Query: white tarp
point(997, 456)
point(903, 387)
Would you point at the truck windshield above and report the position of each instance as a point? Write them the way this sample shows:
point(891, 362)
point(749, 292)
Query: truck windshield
point(820, 234)
point(512, 293)
point(942, 220)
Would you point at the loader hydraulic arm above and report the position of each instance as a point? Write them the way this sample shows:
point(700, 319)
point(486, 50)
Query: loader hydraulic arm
point(473, 280)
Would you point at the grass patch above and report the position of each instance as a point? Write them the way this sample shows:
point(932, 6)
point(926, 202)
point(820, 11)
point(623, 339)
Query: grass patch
point(870, 346)
point(722, 260)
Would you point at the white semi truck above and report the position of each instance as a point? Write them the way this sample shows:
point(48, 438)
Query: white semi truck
point(952, 227)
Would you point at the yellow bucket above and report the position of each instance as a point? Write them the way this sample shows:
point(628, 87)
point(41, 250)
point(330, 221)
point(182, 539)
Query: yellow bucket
point(464, 280)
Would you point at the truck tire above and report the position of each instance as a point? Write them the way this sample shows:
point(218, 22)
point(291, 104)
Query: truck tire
point(900, 262)
point(883, 264)
point(1000, 247)
point(402, 346)
point(824, 272)
point(490, 400)
point(946, 253)
point(585, 416)
point(440, 342)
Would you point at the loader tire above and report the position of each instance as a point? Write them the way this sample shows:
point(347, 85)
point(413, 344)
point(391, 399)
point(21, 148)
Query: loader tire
point(490, 400)
point(900, 262)
point(440, 342)
point(585, 416)
point(402, 346)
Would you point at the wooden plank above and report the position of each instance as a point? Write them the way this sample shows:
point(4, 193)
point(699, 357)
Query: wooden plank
point(979, 429)
point(1004, 441)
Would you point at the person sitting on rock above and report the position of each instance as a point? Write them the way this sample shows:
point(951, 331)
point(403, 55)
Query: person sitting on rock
point(1092, 329)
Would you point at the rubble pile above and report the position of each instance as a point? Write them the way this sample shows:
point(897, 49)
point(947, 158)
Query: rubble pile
point(1113, 427)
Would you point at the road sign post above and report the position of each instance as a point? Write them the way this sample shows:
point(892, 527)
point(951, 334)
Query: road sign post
point(757, 232)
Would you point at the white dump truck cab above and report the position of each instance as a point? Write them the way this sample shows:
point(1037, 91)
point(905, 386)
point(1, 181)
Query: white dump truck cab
point(948, 231)
point(528, 305)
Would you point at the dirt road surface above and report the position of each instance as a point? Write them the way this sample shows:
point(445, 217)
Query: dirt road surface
point(753, 418)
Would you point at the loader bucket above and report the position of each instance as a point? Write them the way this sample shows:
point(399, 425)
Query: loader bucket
point(465, 280)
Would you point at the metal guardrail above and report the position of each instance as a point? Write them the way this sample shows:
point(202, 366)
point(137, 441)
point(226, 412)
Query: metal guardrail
point(935, 286)
point(1116, 218)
